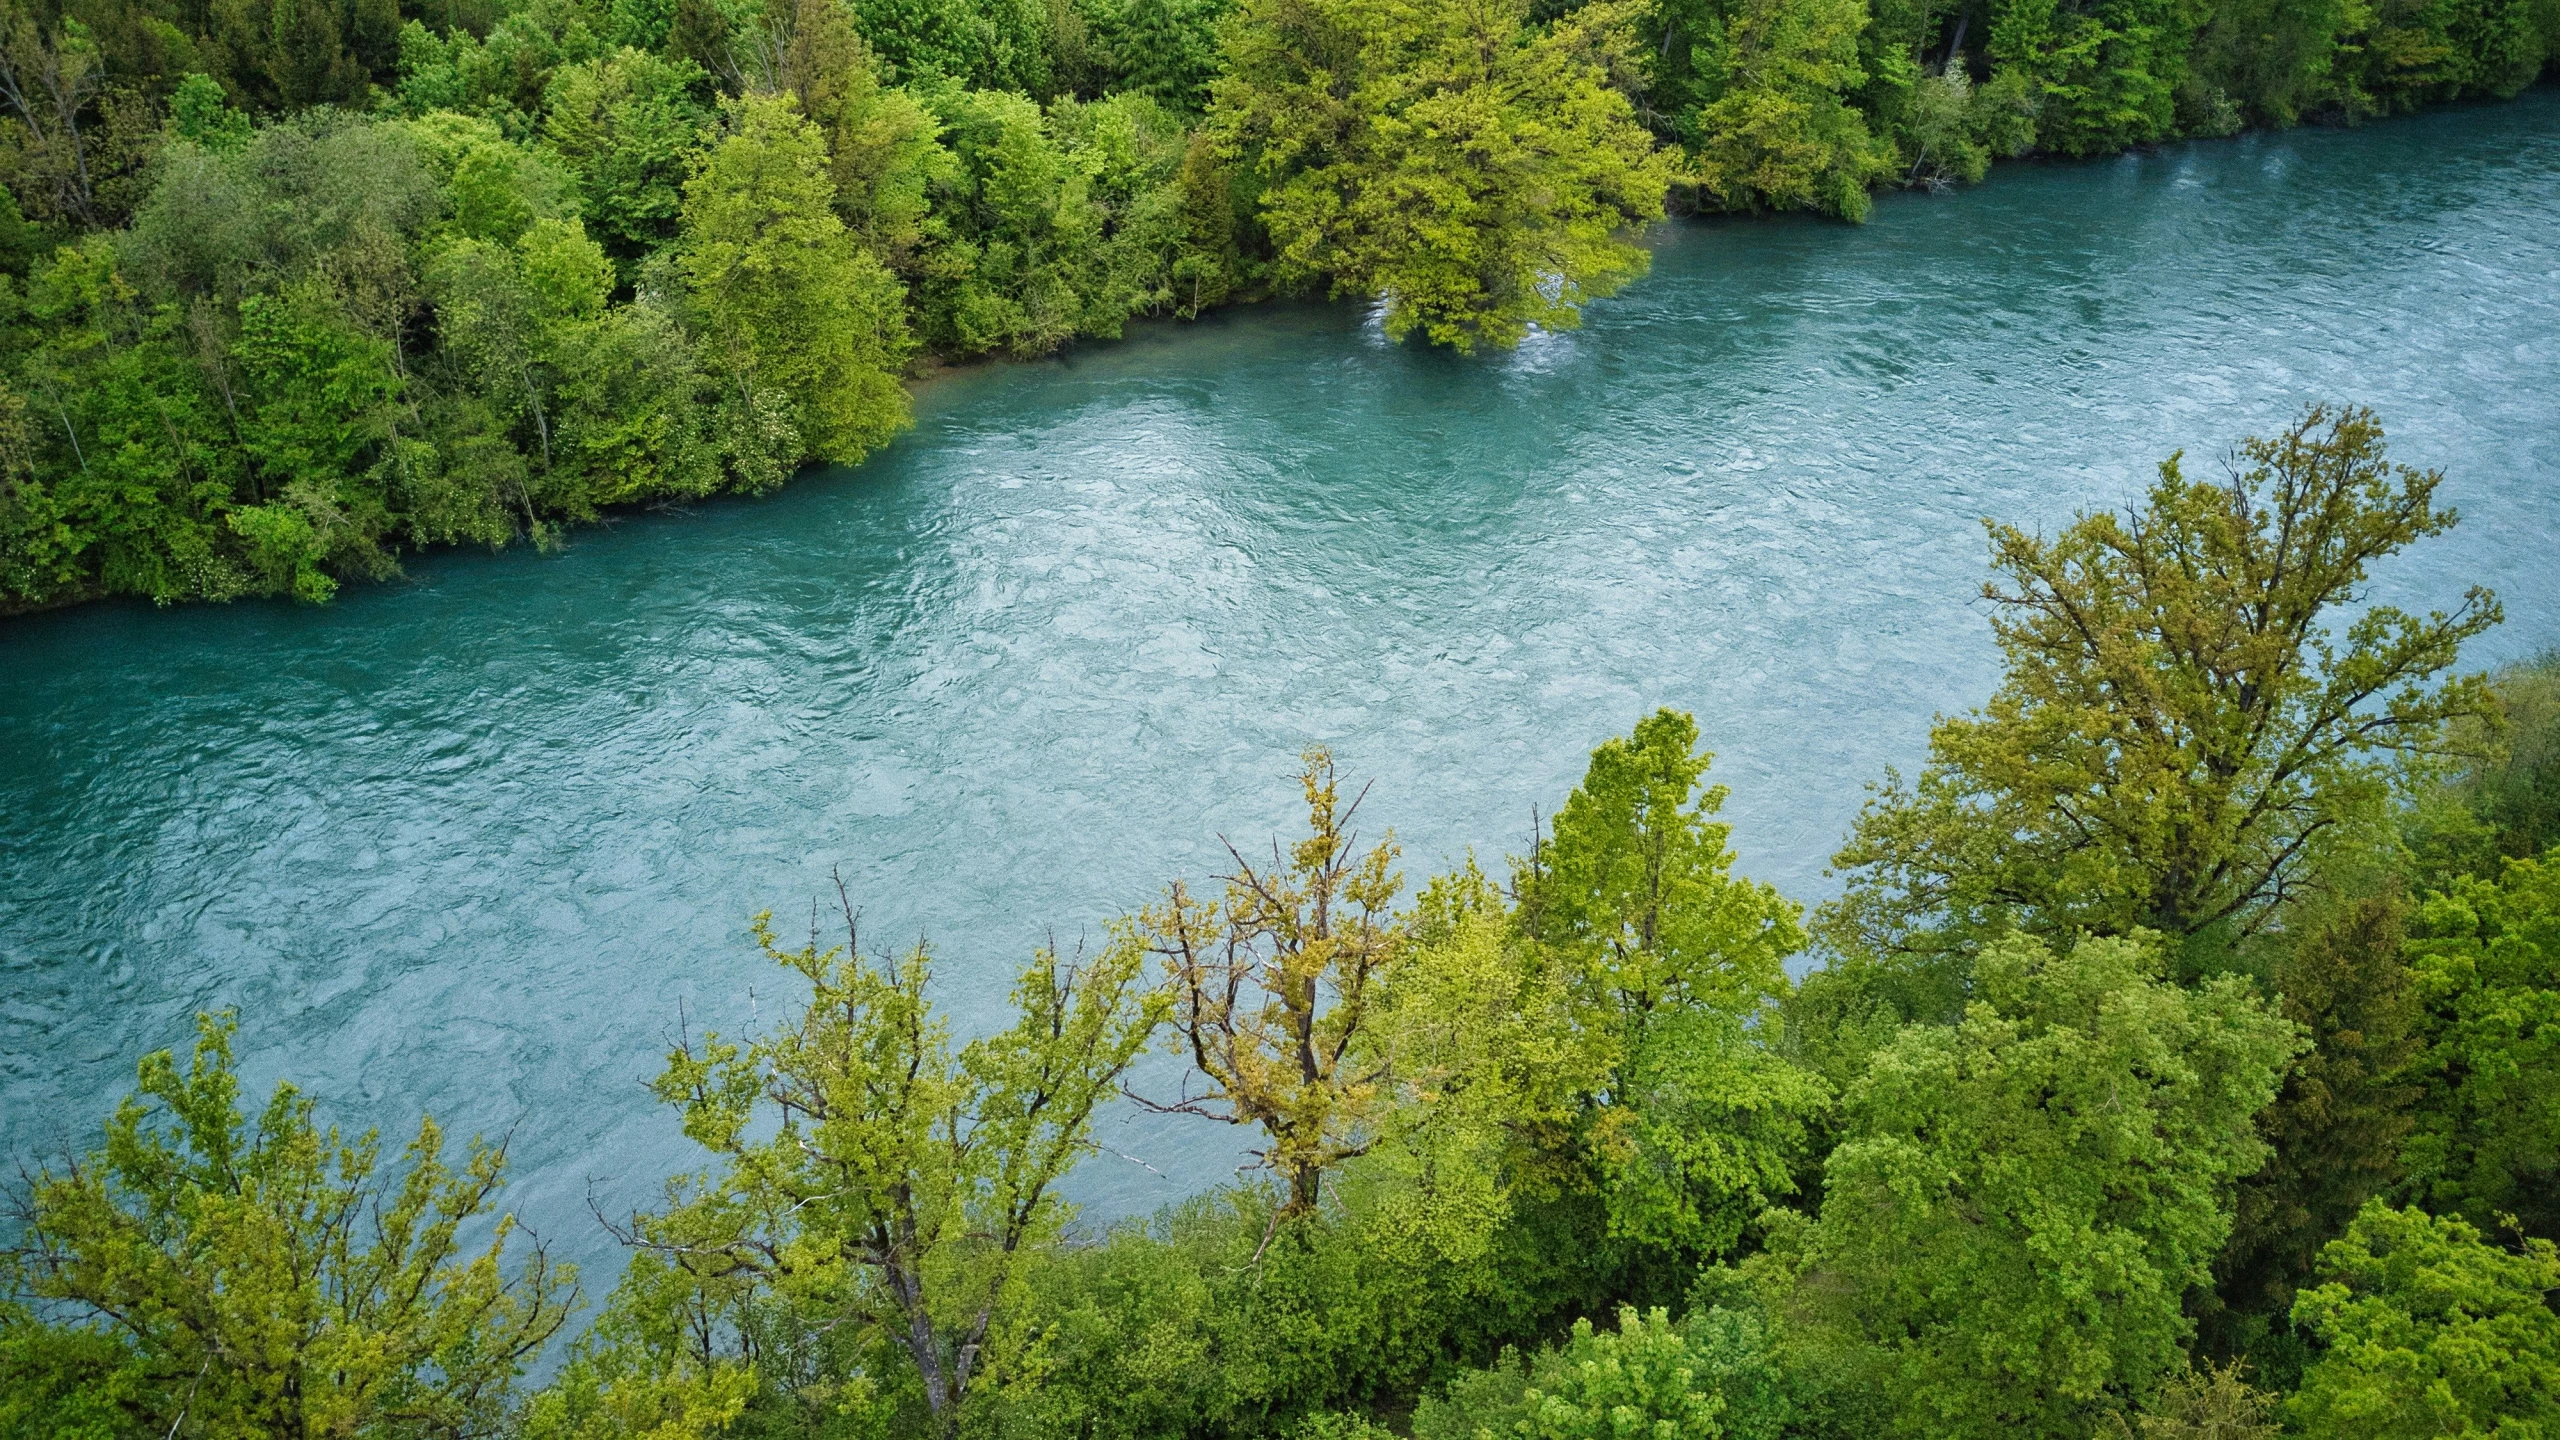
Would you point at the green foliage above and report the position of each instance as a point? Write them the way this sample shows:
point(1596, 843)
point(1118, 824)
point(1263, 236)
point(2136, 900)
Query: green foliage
point(870, 1172)
point(1276, 989)
point(1492, 1067)
point(1205, 1321)
point(1165, 49)
point(1691, 1123)
point(626, 125)
point(880, 141)
point(2430, 1331)
point(1772, 127)
point(2336, 1128)
point(64, 1382)
point(645, 1369)
point(1707, 1127)
point(2501, 800)
point(1466, 169)
point(2208, 1403)
point(801, 325)
point(2519, 795)
point(1047, 227)
point(1011, 176)
point(237, 399)
point(200, 113)
point(2103, 76)
point(262, 1277)
point(2019, 1203)
point(1637, 886)
point(1640, 1380)
point(2486, 960)
point(500, 76)
point(2176, 736)
point(988, 44)
point(1953, 128)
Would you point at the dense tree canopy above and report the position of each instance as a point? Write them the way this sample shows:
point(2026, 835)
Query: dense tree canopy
point(1470, 170)
point(237, 357)
point(2429, 1330)
point(2020, 1202)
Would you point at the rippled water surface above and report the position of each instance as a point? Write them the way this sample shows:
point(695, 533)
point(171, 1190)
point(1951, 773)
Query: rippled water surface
point(469, 842)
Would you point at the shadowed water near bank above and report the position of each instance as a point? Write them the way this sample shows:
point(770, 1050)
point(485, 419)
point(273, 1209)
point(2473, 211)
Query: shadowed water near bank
point(470, 843)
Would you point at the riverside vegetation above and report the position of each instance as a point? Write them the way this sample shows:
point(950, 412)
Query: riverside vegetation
point(289, 288)
point(2182, 1060)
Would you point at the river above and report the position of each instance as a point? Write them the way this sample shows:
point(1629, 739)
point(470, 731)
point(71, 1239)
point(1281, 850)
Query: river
point(472, 842)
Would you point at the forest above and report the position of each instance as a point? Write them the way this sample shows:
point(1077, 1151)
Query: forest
point(2180, 1057)
point(292, 288)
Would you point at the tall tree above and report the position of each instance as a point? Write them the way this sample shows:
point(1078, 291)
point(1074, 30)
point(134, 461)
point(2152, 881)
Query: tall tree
point(2177, 733)
point(627, 124)
point(2428, 1330)
point(1772, 125)
point(800, 321)
point(2487, 963)
point(2335, 1130)
point(1696, 1123)
point(880, 140)
point(1469, 170)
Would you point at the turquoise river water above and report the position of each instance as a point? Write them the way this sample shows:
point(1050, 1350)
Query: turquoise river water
point(472, 841)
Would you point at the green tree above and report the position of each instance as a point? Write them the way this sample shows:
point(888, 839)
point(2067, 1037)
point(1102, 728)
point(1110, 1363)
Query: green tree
point(790, 308)
point(2177, 734)
point(1472, 172)
point(2427, 1330)
point(868, 1168)
point(2501, 800)
point(1488, 1067)
point(318, 400)
point(1014, 231)
point(2486, 958)
point(630, 410)
point(2020, 1202)
point(2336, 1129)
point(2103, 76)
point(1167, 49)
point(1639, 1380)
point(988, 44)
point(1636, 884)
point(601, 402)
point(126, 470)
point(2206, 1403)
point(218, 1275)
point(201, 113)
point(1773, 126)
point(651, 1367)
point(880, 140)
point(1673, 962)
point(626, 126)
point(2280, 62)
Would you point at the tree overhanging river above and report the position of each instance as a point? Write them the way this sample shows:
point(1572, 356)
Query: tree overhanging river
point(476, 842)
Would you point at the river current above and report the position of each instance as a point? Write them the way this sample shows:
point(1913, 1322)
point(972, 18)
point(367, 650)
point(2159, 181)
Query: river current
point(472, 842)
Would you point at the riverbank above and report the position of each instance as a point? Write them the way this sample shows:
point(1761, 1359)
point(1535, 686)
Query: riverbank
point(520, 341)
